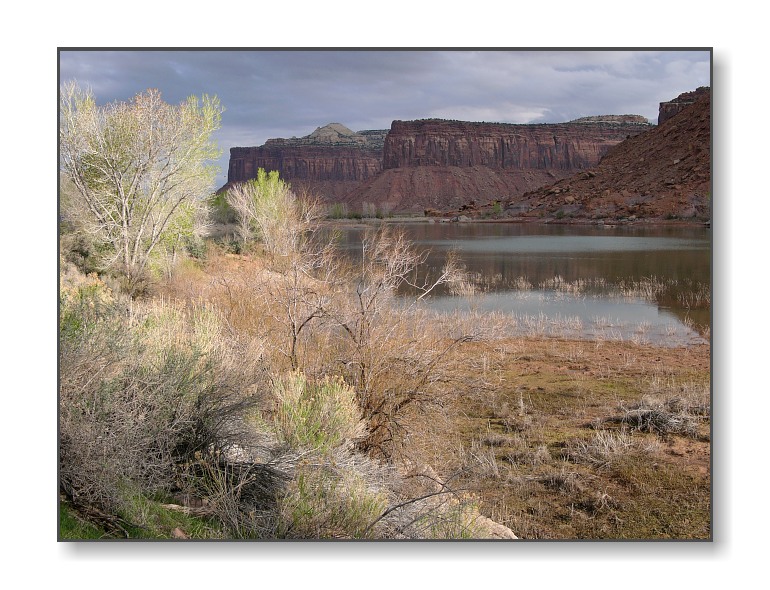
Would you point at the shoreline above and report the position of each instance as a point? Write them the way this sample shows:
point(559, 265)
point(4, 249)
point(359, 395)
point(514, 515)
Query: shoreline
point(219, 230)
point(519, 220)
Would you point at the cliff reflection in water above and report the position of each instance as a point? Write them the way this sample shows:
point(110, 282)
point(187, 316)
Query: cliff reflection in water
point(632, 279)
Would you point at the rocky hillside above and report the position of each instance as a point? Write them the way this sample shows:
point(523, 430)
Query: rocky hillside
point(662, 174)
point(603, 167)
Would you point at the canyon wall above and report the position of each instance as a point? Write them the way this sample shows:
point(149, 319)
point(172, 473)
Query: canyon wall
point(563, 146)
point(333, 160)
point(438, 164)
point(434, 163)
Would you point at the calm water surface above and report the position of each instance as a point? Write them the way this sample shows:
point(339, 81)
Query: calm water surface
point(627, 282)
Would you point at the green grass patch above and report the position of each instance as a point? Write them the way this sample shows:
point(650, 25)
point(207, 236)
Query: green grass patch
point(74, 528)
point(151, 520)
point(148, 519)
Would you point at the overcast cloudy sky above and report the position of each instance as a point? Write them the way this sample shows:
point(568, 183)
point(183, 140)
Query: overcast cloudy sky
point(289, 93)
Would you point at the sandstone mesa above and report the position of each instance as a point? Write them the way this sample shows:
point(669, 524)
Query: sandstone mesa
point(599, 167)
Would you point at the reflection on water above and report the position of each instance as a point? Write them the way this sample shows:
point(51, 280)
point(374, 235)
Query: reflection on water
point(633, 282)
point(544, 313)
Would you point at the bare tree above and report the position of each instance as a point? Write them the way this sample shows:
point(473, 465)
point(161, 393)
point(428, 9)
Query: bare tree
point(393, 357)
point(137, 168)
point(383, 345)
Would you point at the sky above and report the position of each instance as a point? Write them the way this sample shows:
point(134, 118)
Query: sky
point(268, 94)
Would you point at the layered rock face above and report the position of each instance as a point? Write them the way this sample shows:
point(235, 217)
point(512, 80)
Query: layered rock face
point(670, 108)
point(565, 146)
point(438, 164)
point(662, 174)
point(433, 163)
point(332, 161)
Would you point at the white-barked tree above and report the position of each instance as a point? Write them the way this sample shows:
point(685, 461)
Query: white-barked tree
point(140, 169)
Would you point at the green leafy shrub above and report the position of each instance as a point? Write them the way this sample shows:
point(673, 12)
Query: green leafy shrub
point(455, 521)
point(267, 210)
point(220, 210)
point(83, 308)
point(318, 416)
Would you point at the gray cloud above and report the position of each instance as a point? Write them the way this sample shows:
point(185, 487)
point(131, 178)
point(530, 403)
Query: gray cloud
point(290, 93)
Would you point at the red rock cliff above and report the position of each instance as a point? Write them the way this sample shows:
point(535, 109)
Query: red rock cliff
point(564, 146)
point(331, 161)
point(434, 163)
point(438, 164)
point(671, 107)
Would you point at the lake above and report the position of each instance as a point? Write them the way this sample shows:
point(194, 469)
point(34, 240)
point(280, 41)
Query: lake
point(640, 283)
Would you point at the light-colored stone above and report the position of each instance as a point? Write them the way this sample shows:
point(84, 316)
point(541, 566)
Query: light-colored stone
point(489, 529)
point(178, 533)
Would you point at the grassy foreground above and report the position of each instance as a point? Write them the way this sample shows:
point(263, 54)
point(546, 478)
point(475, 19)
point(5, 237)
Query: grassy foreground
point(552, 438)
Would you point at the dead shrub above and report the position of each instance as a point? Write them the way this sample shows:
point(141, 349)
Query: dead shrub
point(392, 351)
point(479, 461)
point(241, 494)
point(597, 503)
point(521, 452)
point(564, 481)
point(605, 447)
point(325, 318)
point(494, 439)
point(657, 417)
point(669, 408)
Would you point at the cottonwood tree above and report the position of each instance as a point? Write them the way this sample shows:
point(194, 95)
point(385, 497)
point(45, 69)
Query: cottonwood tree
point(137, 167)
point(270, 212)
